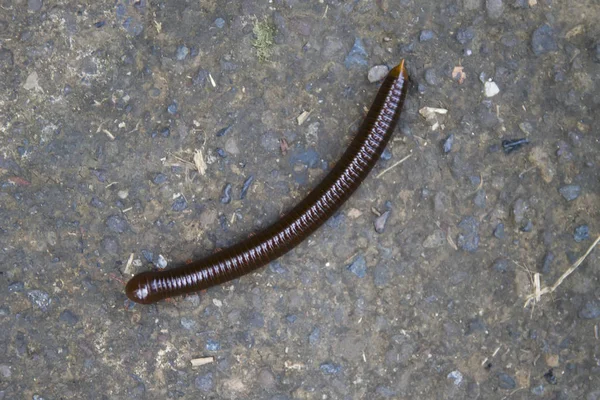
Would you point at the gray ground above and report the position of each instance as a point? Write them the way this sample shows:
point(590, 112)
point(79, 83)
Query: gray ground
point(114, 156)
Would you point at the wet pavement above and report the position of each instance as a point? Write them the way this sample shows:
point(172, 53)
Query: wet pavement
point(136, 135)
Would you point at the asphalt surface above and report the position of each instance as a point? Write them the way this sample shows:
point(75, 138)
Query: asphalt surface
point(137, 135)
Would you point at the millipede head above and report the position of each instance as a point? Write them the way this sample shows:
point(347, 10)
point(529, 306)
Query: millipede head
point(138, 288)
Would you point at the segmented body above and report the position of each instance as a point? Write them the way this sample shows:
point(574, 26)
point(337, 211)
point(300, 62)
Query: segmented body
point(321, 203)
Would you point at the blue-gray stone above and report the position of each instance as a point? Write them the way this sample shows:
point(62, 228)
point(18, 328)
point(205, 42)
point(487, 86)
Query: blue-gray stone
point(205, 383)
point(68, 317)
point(219, 23)
point(582, 232)
point(357, 57)
point(147, 255)
point(358, 267)
point(590, 310)
point(212, 345)
point(330, 368)
point(314, 336)
point(468, 238)
point(182, 53)
point(426, 35)
point(543, 41)
point(505, 381)
point(179, 204)
point(570, 192)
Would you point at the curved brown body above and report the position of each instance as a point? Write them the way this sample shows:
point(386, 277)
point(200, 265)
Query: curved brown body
point(300, 222)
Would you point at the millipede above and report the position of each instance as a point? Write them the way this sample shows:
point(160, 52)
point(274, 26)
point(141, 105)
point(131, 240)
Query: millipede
point(295, 226)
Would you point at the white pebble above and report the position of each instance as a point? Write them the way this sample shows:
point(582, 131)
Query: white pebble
point(377, 73)
point(490, 89)
point(161, 263)
point(456, 376)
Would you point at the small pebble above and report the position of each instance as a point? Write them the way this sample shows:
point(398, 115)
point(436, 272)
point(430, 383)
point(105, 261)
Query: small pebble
point(436, 239)
point(148, 255)
point(200, 78)
point(291, 318)
point(431, 77)
point(358, 267)
point(39, 298)
point(314, 336)
point(187, 323)
point(596, 52)
point(538, 390)
point(465, 35)
point(182, 53)
point(357, 56)
point(266, 379)
point(226, 194)
point(456, 377)
point(246, 186)
point(219, 23)
point(213, 345)
point(117, 224)
point(330, 369)
point(172, 109)
point(220, 152)
point(490, 89)
point(204, 383)
point(426, 35)
point(550, 377)
point(159, 179)
point(468, 238)
point(527, 227)
point(386, 155)
point(505, 381)
point(499, 231)
point(68, 317)
point(575, 139)
point(276, 267)
point(526, 128)
point(377, 73)
point(570, 192)
point(548, 259)
point(96, 202)
point(518, 211)
point(501, 265)
point(543, 41)
point(381, 221)
point(447, 147)
point(16, 287)
point(590, 310)
point(161, 262)
point(224, 131)
point(165, 132)
point(110, 245)
point(385, 392)
point(582, 232)
point(5, 371)
point(123, 194)
point(494, 8)
point(179, 204)
point(34, 5)
point(480, 199)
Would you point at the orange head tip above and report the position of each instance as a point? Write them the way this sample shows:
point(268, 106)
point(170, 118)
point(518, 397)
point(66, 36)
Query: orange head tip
point(399, 70)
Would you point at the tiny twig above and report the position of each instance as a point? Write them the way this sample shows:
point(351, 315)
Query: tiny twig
point(549, 289)
point(394, 166)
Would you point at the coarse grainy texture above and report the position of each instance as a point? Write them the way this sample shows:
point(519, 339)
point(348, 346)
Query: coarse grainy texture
point(122, 121)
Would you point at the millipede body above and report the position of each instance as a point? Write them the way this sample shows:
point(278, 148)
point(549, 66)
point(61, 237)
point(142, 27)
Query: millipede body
point(320, 204)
